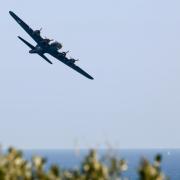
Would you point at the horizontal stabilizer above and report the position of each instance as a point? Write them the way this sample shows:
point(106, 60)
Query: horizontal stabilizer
point(44, 57)
point(32, 47)
point(27, 43)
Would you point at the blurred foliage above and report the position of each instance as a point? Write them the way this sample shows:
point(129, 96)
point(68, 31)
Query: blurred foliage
point(151, 172)
point(14, 167)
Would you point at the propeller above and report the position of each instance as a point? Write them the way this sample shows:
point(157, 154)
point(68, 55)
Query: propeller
point(48, 38)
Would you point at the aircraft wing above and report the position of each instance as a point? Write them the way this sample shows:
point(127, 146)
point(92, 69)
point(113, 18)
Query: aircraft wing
point(66, 61)
point(25, 27)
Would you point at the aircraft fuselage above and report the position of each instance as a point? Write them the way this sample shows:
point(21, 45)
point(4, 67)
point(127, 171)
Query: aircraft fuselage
point(38, 49)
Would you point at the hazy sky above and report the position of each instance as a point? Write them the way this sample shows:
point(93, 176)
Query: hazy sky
point(131, 47)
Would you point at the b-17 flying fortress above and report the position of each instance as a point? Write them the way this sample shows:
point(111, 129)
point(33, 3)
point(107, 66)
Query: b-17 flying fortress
point(45, 45)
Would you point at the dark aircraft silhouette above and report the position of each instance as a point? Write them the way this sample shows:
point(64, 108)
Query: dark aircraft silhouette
point(44, 46)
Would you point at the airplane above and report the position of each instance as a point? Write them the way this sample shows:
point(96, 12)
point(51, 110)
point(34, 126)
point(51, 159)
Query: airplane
point(44, 45)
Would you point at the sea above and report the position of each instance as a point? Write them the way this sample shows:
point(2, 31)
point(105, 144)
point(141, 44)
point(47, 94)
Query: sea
point(71, 159)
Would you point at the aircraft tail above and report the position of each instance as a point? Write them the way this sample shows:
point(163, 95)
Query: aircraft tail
point(32, 48)
point(27, 43)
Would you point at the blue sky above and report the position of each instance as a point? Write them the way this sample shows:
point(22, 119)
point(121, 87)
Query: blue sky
point(132, 50)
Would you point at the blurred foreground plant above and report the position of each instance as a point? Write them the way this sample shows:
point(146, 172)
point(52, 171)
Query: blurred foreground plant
point(149, 171)
point(14, 167)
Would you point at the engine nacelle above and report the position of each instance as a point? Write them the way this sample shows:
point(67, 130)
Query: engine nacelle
point(56, 45)
point(37, 32)
point(72, 61)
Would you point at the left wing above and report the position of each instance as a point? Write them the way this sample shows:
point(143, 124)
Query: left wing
point(26, 27)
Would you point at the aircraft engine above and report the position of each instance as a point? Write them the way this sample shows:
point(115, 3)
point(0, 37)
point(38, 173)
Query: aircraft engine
point(72, 61)
point(56, 45)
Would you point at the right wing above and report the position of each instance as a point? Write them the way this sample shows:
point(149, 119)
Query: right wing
point(66, 61)
point(26, 27)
